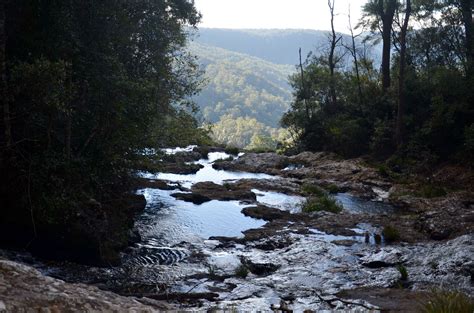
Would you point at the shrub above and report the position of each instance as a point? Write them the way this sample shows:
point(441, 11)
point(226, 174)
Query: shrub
point(332, 188)
point(431, 191)
point(231, 150)
point(312, 190)
point(448, 302)
point(383, 170)
point(241, 271)
point(203, 150)
point(322, 203)
point(469, 138)
point(381, 143)
point(390, 234)
point(347, 136)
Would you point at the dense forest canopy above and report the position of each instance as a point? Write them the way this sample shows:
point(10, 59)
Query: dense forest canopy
point(417, 108)
point(85, 85)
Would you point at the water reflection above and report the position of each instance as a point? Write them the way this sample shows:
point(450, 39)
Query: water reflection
point(357, 205)
point(170, 221)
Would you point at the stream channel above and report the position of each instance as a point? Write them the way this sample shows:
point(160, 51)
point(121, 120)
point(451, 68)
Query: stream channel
point(179, 252)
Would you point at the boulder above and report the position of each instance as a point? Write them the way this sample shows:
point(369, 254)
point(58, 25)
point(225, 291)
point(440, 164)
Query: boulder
point(207, 191)
point(191, 197)
point(265, 213)
point(384, 258)
point(270, 163)
point(260, 269)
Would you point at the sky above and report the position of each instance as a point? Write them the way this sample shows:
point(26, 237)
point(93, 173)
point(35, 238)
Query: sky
point(297, 14)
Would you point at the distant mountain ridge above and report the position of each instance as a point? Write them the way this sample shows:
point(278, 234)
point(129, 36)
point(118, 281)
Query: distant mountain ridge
point(278, 46)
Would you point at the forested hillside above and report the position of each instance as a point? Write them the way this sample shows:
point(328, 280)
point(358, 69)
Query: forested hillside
point(247, 75)
point(242, 86)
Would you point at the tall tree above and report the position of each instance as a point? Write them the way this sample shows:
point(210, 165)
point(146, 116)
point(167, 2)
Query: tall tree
point(381, 13)
point(401, 74)
point(3, 78)
point(467, 11)
point(332, 59)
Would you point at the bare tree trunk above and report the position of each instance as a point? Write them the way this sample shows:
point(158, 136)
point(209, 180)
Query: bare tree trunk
point(466, 10)
point(3, 78)
point(353, 51)
point(386, 15)
point(401, 76)
point(303, 89)
point(331, 62)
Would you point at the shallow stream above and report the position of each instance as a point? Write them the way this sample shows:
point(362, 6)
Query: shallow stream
point(167, 222)
point(177, 254)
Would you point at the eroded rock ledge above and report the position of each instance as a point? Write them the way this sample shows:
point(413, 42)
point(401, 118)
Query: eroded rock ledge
point(23, 288)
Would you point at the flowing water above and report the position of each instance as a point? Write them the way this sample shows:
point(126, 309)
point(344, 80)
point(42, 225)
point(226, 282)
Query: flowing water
point(167, 222)
point(173, 232)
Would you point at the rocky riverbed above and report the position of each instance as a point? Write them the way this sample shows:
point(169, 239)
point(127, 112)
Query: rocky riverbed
point(231, 235)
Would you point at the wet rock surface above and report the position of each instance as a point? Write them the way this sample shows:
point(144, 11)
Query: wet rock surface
point(206, 191)
point(269, 163)
point(297, 261)
point(180, 168)
point(286, 186)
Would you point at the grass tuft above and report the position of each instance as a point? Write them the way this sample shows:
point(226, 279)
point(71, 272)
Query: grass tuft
point(241, 271)
point(448, 302)
point(322, 203)
point(312, 190)
point(403, 272)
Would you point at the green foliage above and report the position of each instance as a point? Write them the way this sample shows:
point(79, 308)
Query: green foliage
point(390, 234)
point(242, 86)
point(85, 103)
point(431, 191)
point(437, 117)
point(180, 128)
point(312, 190)
point(469, 138)
point(403, 272)
point(212, 271)
point(383, 170)
point(381, 143)
point(448, 302)
point(232, 150)
point(242, 271)
point(332, 189)
point(260, 143)
point(248, 133)
point(321, 203)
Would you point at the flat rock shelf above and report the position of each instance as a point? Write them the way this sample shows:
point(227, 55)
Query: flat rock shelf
point(232, 236)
